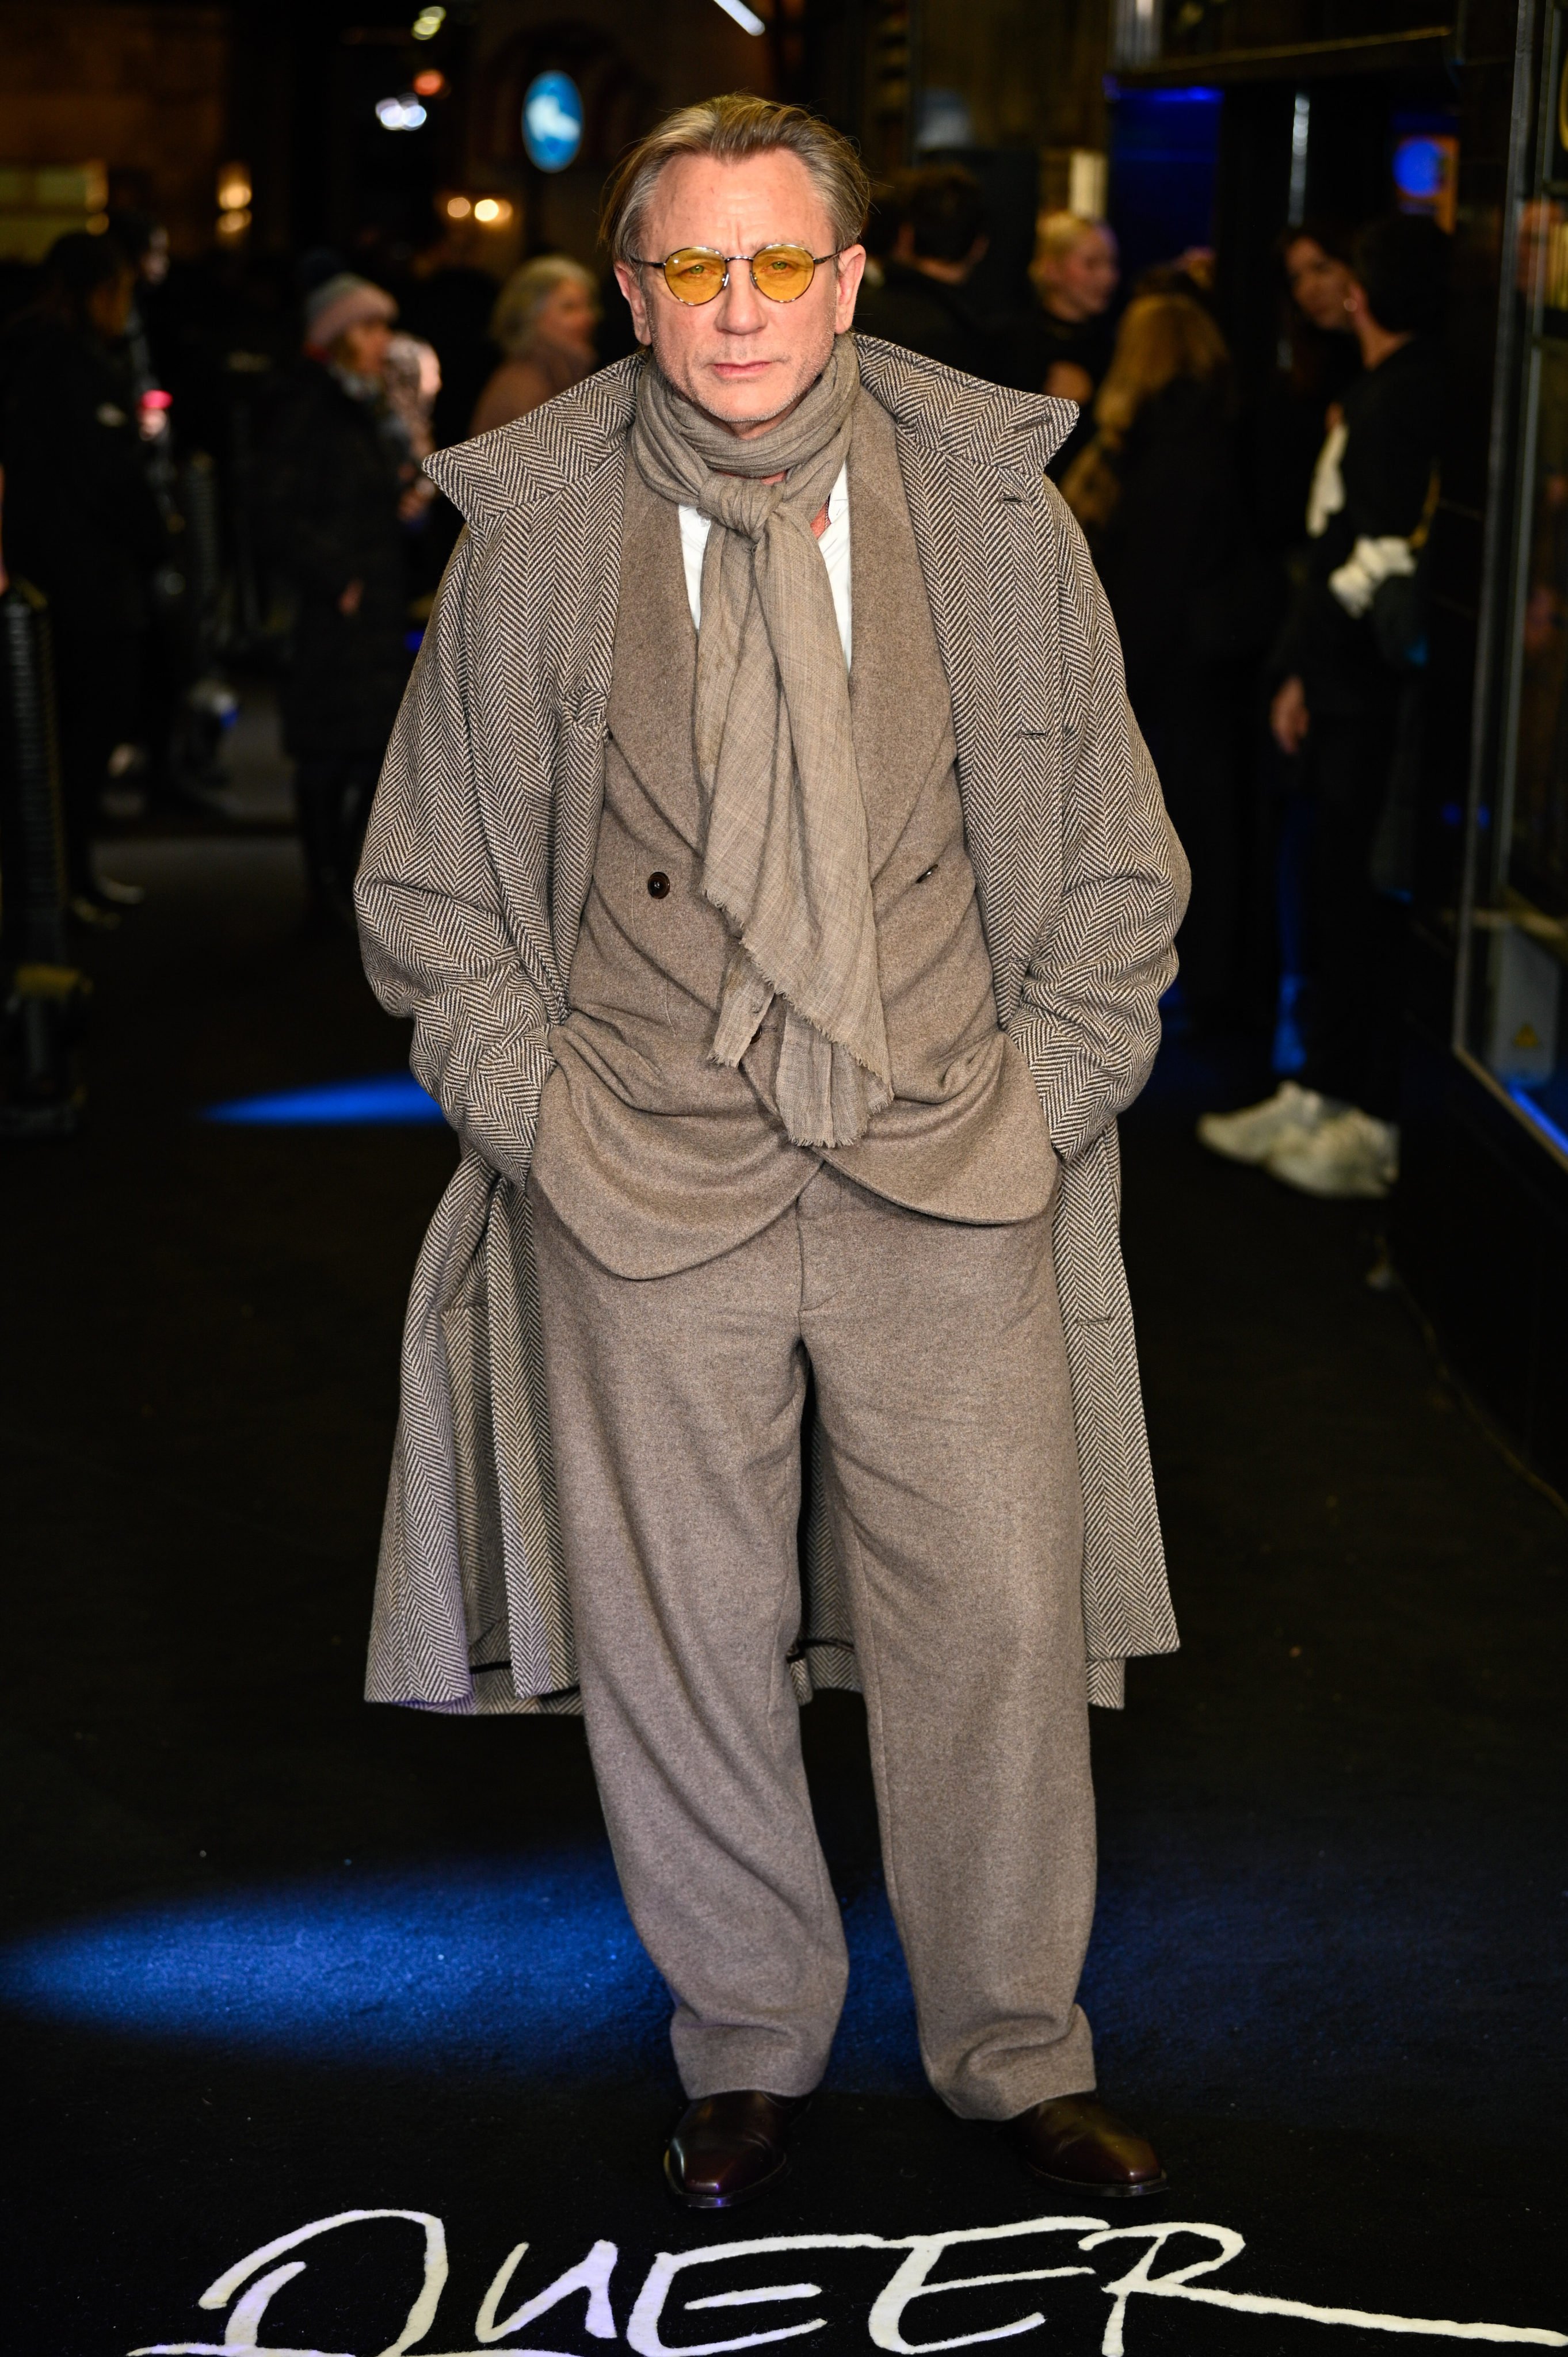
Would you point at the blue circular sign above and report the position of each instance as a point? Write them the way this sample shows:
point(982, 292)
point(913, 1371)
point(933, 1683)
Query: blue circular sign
point(1419, 168)
point(552, 121)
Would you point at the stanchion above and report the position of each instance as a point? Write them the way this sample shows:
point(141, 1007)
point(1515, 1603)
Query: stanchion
point(40, 1090)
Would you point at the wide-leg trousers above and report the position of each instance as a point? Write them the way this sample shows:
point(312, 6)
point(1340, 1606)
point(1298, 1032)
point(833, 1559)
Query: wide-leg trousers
point(945, 1442)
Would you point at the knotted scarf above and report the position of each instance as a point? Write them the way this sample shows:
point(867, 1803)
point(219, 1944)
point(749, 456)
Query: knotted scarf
point(786, 859)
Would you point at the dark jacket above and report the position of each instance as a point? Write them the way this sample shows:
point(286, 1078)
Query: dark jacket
point(1393, 418)
point(925, 315)
point(1283, 433)
point(81, 522)
point(1195, 604)
point(1038, 340)
point(1176, 554)
point(328, 501)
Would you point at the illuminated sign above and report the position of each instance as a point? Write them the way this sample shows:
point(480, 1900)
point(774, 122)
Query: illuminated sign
point(553, 121)
point(1426, 176)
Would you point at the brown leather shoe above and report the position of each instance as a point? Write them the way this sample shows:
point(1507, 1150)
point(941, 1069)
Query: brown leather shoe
point(729, 2148)
point(1073, 2140)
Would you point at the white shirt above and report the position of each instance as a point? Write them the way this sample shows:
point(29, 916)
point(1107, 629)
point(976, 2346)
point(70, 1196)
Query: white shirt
point(833, 543)
point(1327, 496)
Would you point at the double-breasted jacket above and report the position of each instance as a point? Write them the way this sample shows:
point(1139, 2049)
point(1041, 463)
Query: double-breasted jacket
point(475, 872)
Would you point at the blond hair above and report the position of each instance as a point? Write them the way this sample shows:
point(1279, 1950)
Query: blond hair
point(1056, 235)
point(729, 128)
point(524, 295)
point(1162, 337)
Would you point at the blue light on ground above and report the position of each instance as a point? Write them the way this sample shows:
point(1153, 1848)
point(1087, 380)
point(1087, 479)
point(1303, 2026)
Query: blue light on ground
point(384, 1100)
point(527, 1968)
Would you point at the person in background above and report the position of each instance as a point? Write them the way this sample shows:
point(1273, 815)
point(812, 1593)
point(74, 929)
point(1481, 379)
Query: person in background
point(1283, 430)
point(82, 525)
point(1319, 361)
point(333, 496)
point(144, 243)
point(1337, 711)
point(411, 380)
point(1075, 271)
point(544, 321)
point(1158, 493)
point(411, 377)
point(941, 234)
point(168, 651)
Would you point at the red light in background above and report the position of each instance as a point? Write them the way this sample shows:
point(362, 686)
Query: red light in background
point(430, 84)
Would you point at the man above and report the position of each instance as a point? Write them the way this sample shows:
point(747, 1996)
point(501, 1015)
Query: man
point(940, 242)
point(765, 847)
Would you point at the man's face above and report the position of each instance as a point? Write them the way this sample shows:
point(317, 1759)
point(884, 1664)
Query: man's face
point(744, 359)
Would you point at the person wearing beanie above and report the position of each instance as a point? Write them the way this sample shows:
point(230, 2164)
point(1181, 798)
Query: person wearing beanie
point(330, 497)
point(339, 308)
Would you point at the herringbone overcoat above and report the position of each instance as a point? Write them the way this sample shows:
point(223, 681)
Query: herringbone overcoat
point(475, 875)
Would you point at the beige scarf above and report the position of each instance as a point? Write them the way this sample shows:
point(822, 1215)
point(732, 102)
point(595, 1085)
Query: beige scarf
point(785, 861)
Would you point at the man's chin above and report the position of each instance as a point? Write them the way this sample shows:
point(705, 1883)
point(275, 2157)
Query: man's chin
point(740, 402)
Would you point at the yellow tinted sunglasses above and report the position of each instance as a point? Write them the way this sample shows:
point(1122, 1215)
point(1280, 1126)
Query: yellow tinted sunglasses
point(695, 273)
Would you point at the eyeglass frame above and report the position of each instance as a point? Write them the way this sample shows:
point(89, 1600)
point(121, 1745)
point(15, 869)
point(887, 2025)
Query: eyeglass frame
point(647, 262)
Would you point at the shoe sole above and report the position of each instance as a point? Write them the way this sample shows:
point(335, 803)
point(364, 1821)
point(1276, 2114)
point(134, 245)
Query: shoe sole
point(1360, 1190)
point(1250, 1155)
point(720, 2200)
point(1160, 2184)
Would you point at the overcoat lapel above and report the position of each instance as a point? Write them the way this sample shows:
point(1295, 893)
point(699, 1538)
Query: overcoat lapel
point(654, 690)
point(899, 707)
point(975, 499)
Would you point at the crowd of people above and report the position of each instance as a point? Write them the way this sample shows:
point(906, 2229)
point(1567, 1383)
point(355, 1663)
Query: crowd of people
point(334, 537)
point(1262, 547)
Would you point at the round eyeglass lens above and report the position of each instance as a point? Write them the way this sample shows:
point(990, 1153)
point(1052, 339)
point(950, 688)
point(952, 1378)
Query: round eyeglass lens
point(782, 272)
point(692, 276)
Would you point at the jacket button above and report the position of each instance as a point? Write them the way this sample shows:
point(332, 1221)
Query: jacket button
point(657, 884)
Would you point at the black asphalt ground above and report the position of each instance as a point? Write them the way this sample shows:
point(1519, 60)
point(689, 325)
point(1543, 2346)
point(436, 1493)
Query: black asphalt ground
point(273, 1959)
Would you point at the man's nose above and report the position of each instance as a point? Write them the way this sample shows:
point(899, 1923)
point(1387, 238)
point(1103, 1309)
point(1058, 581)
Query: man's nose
point(740, 303)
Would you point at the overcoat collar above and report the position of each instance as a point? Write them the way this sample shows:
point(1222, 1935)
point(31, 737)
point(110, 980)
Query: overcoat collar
point(564, 443)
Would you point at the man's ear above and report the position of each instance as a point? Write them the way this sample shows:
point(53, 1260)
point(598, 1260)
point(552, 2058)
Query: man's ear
point(629, 278)
point(851, 270)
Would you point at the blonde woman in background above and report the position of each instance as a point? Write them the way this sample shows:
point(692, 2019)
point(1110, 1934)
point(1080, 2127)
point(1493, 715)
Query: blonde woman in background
point(544, 321)
point(1075, 271)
